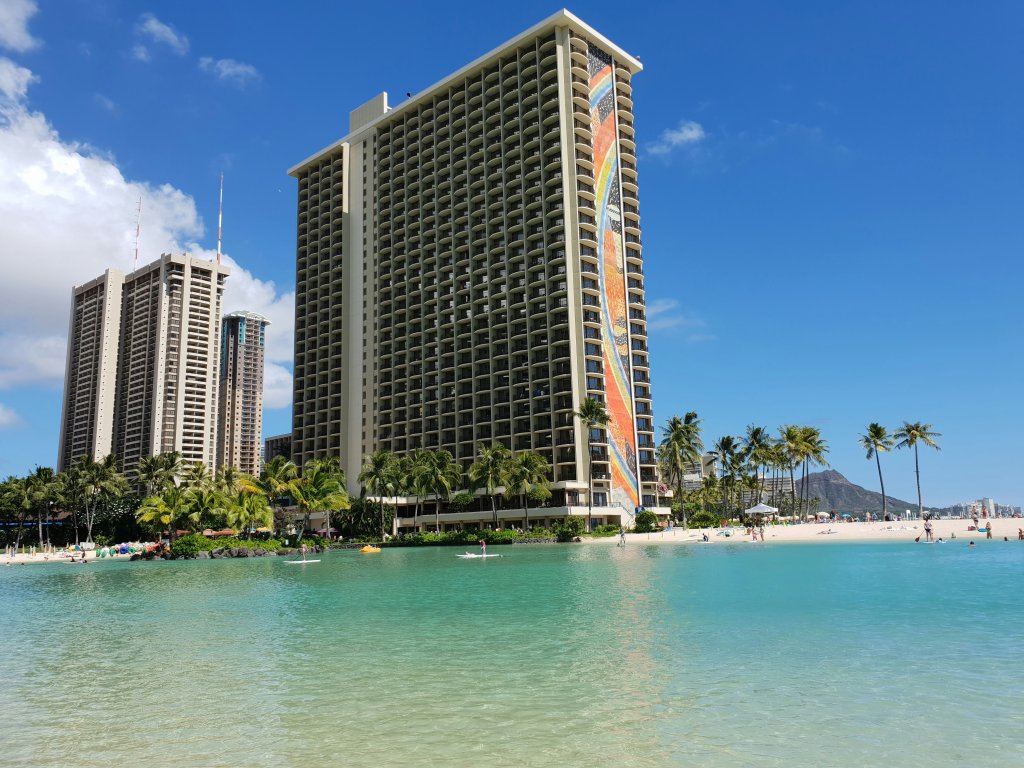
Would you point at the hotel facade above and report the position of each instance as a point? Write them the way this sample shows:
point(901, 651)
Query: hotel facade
point(470, 270)
point(142, 370)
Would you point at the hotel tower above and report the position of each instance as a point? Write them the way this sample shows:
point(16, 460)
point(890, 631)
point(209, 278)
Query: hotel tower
point(142, 365)
point(469, 270)
point(240, 435)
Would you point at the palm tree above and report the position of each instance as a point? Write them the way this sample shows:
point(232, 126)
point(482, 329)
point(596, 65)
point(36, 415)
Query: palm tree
point(42, 487)
point(17, 496)
point(758, 447)
point(321, 488)
point(527, 471)
point(275, 482)
point(876, 441)
point(167, 508)
point(908, 436)
point(101, 482)
point(154, 473)
point(794, 448)
point(205, 504)
point(379, 477)
point(681, 447)
point(727, 450)
point(247, 511)
point(490, 471)
point(593, 415)
point(197, 475)
point(441, 476)
point(815, 448)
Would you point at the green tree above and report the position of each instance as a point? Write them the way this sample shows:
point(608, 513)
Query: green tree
point(490, 472)
point(155, 473)
point(875, 441)
point(681, 447)
point(167, 508)
point(727, 449)
point(43, 489)
point(379, 476)
point(527, 471)
point(593, 415)
point(274, 483)
point(17, 498)
point(441, 476)
point(320, 488)
point(101, 483)
point(908, 436)
point(758, 444)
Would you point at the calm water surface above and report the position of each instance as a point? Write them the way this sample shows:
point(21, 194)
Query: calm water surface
point(745, 655)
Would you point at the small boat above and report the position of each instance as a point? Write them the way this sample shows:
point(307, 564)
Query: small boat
point(472, 556)
point(368, 550)
point(300, 562)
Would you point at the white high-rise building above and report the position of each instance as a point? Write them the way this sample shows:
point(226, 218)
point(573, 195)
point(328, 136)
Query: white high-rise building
point(167, 342)
point(469, 271)
point(90, 378)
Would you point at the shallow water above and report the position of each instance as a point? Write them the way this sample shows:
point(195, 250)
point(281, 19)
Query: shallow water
point(729, 655)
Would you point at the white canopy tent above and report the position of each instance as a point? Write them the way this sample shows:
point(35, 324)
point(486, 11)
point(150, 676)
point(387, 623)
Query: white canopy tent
point(761, 509)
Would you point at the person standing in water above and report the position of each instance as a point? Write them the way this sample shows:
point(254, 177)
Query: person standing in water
point(988, 529)
point(622, 536)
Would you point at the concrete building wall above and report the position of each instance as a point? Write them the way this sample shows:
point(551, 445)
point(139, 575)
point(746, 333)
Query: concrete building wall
point(91, 373)
point(469, 270)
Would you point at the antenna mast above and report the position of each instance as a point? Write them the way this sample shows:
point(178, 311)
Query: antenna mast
point(220, 214)
point(138, 232)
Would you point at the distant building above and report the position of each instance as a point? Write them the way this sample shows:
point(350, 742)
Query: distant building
point(90, 378)
point(240, 431)
point(278, 445)
point(164, 393)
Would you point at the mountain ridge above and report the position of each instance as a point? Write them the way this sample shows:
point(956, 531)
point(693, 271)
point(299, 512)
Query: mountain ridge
point(838, 494)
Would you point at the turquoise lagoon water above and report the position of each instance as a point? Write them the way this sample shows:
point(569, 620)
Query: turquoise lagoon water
point(728, 655)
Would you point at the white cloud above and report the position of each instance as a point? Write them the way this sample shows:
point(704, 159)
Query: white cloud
point(8, 418)
point(140, 53)
point(664, 314)
point(105, 101)
point(229, 71)
point(160, 32)
point(14, 80)
point(67, 213)
point(687, 133)
point(14, 17)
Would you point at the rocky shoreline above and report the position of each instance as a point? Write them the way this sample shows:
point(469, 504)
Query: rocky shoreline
point(228, 552)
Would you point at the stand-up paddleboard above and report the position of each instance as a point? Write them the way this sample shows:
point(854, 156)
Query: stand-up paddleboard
point(300, 562)
point(471, 556)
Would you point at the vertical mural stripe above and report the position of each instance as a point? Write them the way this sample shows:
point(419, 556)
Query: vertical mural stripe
point(625, 484)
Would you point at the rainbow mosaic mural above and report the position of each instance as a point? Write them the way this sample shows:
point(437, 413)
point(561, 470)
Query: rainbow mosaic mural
point(618, 376)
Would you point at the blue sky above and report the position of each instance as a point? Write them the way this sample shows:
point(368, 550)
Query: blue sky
point(831, 195)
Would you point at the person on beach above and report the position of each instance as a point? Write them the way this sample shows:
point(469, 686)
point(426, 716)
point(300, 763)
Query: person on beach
point(974, 519)
point(988, 529)
point(761, 531)
point(622, 536)
point(1020, 534)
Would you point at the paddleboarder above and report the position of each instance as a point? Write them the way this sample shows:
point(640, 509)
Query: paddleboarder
point(483, 547)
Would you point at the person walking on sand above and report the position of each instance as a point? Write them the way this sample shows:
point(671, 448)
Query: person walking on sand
point(974, 519)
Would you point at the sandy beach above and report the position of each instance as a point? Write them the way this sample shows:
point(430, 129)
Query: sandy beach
point(61, 556)
point(826, 533)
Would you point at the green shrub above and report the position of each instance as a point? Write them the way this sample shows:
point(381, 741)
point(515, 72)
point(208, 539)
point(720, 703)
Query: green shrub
point(539, 496)
point(603, 531)
point(188, 546)
point(703, 520)
point(571, 527)
point(460, 502)
point(645, 522)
